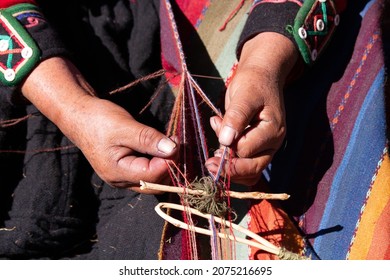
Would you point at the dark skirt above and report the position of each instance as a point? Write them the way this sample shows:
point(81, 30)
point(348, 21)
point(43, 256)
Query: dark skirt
point(52, 204)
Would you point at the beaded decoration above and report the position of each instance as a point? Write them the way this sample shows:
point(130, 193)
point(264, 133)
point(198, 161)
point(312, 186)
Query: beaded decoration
point(18, 51)
point(313, 27)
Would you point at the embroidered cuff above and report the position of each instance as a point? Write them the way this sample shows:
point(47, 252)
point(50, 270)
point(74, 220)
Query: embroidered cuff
point(314, 26)
point(268, 17)
point(309, 25)
point(18, 51)
point(25, 39)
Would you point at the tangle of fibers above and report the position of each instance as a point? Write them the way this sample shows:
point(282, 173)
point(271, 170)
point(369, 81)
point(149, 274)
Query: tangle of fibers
point(210, 200)
point(288, 255)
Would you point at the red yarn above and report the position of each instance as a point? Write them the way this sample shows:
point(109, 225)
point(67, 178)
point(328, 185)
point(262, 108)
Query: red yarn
point(232, 14)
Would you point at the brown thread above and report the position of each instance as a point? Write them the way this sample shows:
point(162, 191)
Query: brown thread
point(140, 80)
point(207, 77)
point(8, 123)
point(157, 93)
point(38, 151)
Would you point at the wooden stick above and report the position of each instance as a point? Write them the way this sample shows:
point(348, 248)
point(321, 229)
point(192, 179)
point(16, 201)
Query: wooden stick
point(257, 242)
point(239, 195)
point(261, 243)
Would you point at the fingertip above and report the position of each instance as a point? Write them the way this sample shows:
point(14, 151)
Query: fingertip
point(175, 139)
point(212, 167)
point(213, 123)
point(166, 146)
point(227, 135)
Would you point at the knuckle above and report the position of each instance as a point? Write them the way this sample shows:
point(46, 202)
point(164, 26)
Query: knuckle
point(259, 167)
point(252, 168)
point(146, 136)
point(245, 152)
point(281, 131)
point(239, 112)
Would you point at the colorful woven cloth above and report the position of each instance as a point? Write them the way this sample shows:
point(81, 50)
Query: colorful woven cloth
point(335, 162)
point(341, 145)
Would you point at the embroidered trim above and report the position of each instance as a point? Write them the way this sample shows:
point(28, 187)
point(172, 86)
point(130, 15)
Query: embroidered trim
point(19, 53)
point(313, 27)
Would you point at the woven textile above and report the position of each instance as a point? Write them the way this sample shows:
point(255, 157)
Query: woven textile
point(335, 163)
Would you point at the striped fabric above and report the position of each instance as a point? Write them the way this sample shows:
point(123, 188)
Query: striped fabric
point(336, 162)
point(353, 194)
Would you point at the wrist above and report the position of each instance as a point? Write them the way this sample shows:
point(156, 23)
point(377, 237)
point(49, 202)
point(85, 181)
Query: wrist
point(271, 54)
point(59, 92)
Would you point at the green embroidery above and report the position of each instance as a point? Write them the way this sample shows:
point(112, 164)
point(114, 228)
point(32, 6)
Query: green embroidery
point(19, 53)
point(306, 28)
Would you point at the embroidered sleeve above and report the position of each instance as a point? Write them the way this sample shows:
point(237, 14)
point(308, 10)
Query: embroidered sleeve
point(308, 23)
point(26, 38)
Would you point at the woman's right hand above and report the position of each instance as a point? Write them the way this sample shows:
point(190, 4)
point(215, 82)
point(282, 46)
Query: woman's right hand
point(121, 150)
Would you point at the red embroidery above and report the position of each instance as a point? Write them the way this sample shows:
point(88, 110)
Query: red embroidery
point(32, 21)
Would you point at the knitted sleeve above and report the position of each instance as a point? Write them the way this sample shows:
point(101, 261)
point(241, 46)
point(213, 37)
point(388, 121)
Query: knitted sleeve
point(26, 38)
point(308, 23)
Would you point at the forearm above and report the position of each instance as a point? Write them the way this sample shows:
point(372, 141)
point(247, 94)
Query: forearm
point(59, 91)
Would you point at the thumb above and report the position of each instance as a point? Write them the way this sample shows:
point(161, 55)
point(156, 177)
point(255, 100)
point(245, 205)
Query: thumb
point(239, 114)
point(147, 140)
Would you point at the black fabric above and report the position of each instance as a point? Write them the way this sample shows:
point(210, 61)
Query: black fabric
point(128, 227)
point(269, 17)
point(49, 44)
point(44, 214)
point(109, 41)
point(52, 205)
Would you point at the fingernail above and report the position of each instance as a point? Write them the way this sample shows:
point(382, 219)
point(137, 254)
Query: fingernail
point(166, 146)
point(211, 167)
point(213, 124)
point(218, 153)
point(227, 135)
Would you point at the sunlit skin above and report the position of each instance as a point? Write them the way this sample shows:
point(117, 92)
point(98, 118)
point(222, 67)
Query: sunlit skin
point(110, 138)
point(116, 144)
point(254, 124)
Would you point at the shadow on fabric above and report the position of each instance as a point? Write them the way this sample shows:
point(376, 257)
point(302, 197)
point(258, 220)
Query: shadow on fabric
point(309, 148)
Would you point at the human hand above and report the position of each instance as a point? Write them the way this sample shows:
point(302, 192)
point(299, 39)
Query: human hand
point(254, 122)
point(121, 150)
